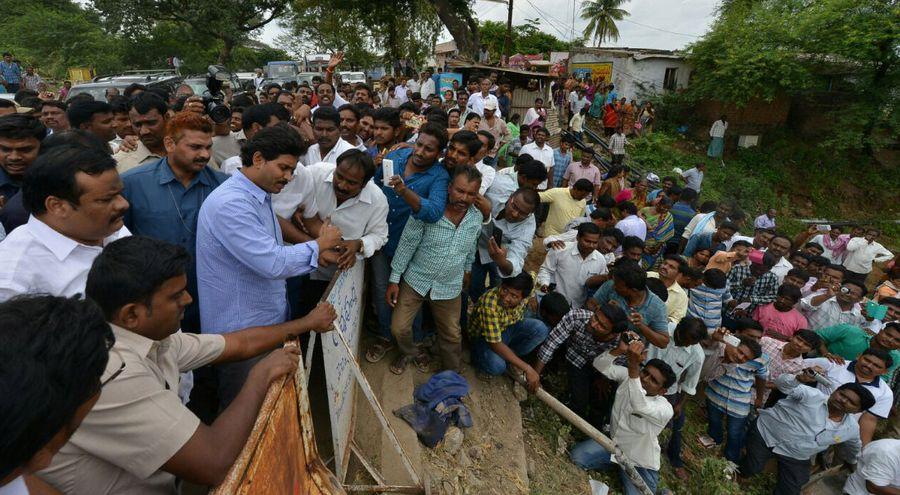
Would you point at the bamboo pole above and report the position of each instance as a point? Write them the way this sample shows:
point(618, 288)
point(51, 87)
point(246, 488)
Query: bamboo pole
point(590, 431)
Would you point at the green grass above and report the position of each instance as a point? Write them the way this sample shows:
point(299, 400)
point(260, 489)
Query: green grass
point(556, 474)
point(800, 179)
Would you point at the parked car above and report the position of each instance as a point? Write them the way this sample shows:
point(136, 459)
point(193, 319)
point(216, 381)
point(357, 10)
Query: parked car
point(97, 86)
point(353, 77)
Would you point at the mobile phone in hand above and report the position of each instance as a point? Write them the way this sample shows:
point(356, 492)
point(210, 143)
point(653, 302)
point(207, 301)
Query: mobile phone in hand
point(731, 340)
point(387, 169)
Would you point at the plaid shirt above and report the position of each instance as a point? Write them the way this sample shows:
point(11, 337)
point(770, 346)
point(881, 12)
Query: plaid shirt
point(778, 365)
point(490, 318)
point(763, 291)
point(431, 257)
point(583, 346)
point(617, 144)
point(561, 162)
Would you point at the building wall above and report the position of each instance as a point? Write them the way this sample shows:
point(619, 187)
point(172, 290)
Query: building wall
point(633, 77)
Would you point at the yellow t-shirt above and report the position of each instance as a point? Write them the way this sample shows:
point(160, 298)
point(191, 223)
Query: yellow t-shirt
point(563, 209)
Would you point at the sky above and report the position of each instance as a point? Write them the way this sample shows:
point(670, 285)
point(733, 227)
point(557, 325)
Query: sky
point(662, 24)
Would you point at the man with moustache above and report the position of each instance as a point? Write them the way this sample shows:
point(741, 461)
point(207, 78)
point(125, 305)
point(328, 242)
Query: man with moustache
point(329, 143)
point(350, 116)
point(429, 265)
point(148, 117)
point(53, 116)
point(328, 97)
point(166, 195)
point(20, 141)
point(242, 262)
point(75, 197)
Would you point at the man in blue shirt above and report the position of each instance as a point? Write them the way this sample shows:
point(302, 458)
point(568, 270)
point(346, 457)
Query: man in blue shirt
point(714, 241)
point(242, 262)
point(417, 188)
point(646, 311)
point(562, 157)
point(166, 195)
point(682, 213)
point(10, 73)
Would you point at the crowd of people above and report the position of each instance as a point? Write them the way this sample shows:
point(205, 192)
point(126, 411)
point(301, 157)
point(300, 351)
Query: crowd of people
point(156, 258)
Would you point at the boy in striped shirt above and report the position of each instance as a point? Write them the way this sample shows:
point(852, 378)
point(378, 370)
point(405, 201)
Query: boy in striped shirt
point(728, 394)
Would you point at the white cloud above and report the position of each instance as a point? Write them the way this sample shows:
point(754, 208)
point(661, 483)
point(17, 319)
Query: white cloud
point(688, 17)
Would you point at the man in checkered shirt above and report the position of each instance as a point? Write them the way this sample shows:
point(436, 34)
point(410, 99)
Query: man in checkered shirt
point(588, 334)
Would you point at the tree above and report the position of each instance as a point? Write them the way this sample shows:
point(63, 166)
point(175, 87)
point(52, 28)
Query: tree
point(526, 38)
point(797, 47)
point(362, 30)
point(457, 18)
point(229, 21)
point(56, 35)
point(602, 16)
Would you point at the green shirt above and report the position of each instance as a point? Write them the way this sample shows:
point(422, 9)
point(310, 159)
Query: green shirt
point(849, 341)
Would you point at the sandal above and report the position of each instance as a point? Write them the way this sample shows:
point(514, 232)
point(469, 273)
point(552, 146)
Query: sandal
point(423, 362)
point(376, 351)
point(398, 366)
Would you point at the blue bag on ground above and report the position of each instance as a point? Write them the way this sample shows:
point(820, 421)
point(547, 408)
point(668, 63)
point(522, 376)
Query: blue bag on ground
point(437, 406)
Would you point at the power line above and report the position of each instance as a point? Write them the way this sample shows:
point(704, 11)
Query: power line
point(660, 29)
point(550, 20)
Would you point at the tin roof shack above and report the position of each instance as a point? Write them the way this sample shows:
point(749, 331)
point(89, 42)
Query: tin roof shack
point(526, 84)
point(633, 71)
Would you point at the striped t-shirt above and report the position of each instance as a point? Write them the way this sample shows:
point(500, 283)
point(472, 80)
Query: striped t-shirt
point(731, 389)
point(706, 303)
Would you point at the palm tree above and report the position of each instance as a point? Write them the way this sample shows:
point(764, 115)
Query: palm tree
point(602, 16)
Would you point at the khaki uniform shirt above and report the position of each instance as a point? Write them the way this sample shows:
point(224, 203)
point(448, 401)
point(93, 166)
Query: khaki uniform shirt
point(127, 160)
point(139, 422)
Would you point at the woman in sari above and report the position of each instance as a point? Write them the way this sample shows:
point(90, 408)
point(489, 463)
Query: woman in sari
point(641, 189)
point(627, 116)
point(660, 229)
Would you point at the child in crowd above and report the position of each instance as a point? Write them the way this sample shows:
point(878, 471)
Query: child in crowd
point(705, 301)
point(780, 318)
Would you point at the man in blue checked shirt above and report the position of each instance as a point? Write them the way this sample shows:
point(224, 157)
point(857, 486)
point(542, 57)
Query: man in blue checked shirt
point(562, 157)
point(10, 73)
point(418, 190)
point(429, 265)
point(242, 262)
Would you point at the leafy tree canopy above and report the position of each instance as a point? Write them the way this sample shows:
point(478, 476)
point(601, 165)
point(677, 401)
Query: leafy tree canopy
point(759, 49)
point(526, 38)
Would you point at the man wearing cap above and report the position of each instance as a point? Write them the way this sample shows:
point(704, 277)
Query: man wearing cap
point(493, 124)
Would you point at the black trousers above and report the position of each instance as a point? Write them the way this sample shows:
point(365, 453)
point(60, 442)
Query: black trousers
point(792, 473)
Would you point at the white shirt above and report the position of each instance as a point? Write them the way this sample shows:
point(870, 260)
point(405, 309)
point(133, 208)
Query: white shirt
point(569, 271)
point(543, 155)
point(313, 155)
point(617, 144)
point(686, 362)
point(34, 258)
point(400, 93)
point(718, 129)
point(782, 268)
point(530, 116)
point(878, 464)
point(363, 217)
point(633, 225)
point(693, 178)
point(477, 101)
point(829, 313)
point(427, 88)
point(337, 103)
point(231, 165)
point(487, 176)
point(861, 255)
point(637, 419)
point(828, 253)
point(840, 374)
point(413, 86)
point(702, 222)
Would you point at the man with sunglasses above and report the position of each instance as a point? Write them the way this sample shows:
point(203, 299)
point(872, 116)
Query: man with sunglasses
point(139, 437)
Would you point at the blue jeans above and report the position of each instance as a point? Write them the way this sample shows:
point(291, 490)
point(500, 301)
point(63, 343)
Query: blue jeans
point(673, 448)
point(480, 274)
point(381, 273)
point(736, 427)
point(589, 454)
point(522, 337)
